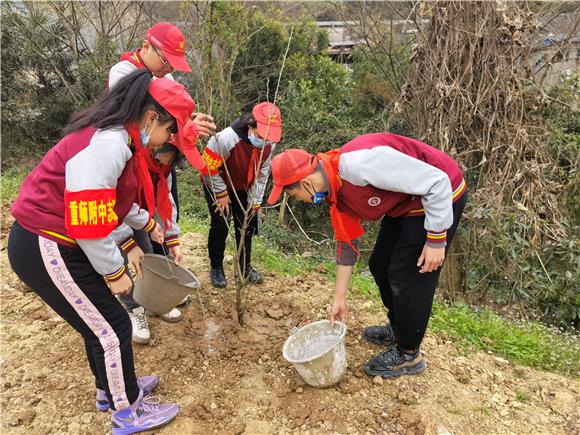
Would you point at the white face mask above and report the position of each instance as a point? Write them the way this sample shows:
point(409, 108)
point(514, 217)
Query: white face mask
point(256, 141)
point(146, 137)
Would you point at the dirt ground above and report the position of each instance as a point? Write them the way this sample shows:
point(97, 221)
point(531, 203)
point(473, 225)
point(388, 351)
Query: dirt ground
point(229, 379)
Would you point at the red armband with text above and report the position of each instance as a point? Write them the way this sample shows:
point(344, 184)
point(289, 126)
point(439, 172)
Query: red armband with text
point(90, 214)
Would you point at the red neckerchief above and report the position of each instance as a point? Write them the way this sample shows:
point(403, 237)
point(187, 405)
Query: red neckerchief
point(145, 187)
point(163, 202)
point(134, 57)
point(346, 227)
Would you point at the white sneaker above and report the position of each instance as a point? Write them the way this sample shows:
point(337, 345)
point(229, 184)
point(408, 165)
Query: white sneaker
point(173, 316)
point(140, 326)
point(184, 301)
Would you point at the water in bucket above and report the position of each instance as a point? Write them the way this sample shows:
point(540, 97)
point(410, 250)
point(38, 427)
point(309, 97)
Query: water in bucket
point(317, 352)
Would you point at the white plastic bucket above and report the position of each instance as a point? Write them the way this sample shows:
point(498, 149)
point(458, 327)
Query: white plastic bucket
point(164, 284)
point(317, 352)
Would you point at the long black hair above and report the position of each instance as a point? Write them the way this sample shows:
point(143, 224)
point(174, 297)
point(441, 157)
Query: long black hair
point(126, 102)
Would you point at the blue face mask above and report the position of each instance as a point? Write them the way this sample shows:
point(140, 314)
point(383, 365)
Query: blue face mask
point(318, 197)
point(257, 142)
point(144, 136)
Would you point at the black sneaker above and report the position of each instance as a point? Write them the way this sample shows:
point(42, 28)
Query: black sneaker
point(253, 276)
point(394, 362)
point(217, 277)
point(380, 334)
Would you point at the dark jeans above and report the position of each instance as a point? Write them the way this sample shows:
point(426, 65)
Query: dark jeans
point(64, 278)
point(406, 293)
point(218, 231)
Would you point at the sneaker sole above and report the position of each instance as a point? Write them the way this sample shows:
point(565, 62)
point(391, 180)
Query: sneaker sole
point(217, 286)
point(107, 407)
point(103, 407)
point(414, 370)
point(139, 340)
point(130, 430)
point(380, 342)
point(171, 319)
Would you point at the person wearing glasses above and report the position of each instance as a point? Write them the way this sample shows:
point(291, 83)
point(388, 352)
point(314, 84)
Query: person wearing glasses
point(237, 169)
point(162, 52)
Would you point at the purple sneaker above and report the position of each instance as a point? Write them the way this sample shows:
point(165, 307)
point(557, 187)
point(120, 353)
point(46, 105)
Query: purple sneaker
point(146, 383)
point(143, 415)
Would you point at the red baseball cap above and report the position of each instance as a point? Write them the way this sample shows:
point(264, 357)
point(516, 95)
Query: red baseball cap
point(169, 39)
point(173, 97)
point(290, 167)
point(269, 121)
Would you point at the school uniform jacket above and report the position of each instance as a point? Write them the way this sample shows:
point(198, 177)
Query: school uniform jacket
point(130, 62)
point(232, 149)
point(123, 235)
point(80, 192)
point(383, 174)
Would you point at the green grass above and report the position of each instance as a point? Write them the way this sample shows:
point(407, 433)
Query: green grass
point(526, 343)
point(522, 396)
point(11, 181)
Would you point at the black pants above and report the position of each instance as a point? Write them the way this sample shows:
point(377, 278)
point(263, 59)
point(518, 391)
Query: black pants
point(64, 278)
point(174, 191)
point(407, 294)
point(218, 231)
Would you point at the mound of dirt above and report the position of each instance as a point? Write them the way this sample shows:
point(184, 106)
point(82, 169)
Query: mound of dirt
point(232, 379)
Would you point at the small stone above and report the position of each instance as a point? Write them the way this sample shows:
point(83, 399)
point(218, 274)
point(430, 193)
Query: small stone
point(239, 428)
point(228, 258)
point(213, 405)
point(501, 361)
point(300, 390)
point(442, 430)
point(274, 313)
point(321, 268)
point(378, 380)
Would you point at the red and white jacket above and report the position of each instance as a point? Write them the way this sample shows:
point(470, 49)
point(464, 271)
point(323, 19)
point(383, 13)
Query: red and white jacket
point(82, 189)
point(382, 174)
point(130, 61)
point(248, 167)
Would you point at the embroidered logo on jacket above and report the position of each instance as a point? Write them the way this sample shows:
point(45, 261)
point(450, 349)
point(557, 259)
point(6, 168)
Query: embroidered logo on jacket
point(374, 201)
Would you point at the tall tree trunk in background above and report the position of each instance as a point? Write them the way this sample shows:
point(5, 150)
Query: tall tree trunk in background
point(474, 97)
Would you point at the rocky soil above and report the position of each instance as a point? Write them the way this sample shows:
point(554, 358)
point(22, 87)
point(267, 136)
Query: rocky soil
point(233, 380)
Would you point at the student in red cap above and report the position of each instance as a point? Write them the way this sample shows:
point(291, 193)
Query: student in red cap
point(418, 193)
point(163, 51)
point(238, 165)
point(61, 244)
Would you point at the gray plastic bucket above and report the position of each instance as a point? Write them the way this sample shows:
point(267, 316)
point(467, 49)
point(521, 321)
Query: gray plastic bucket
point(317, 352)
point(164, 284)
